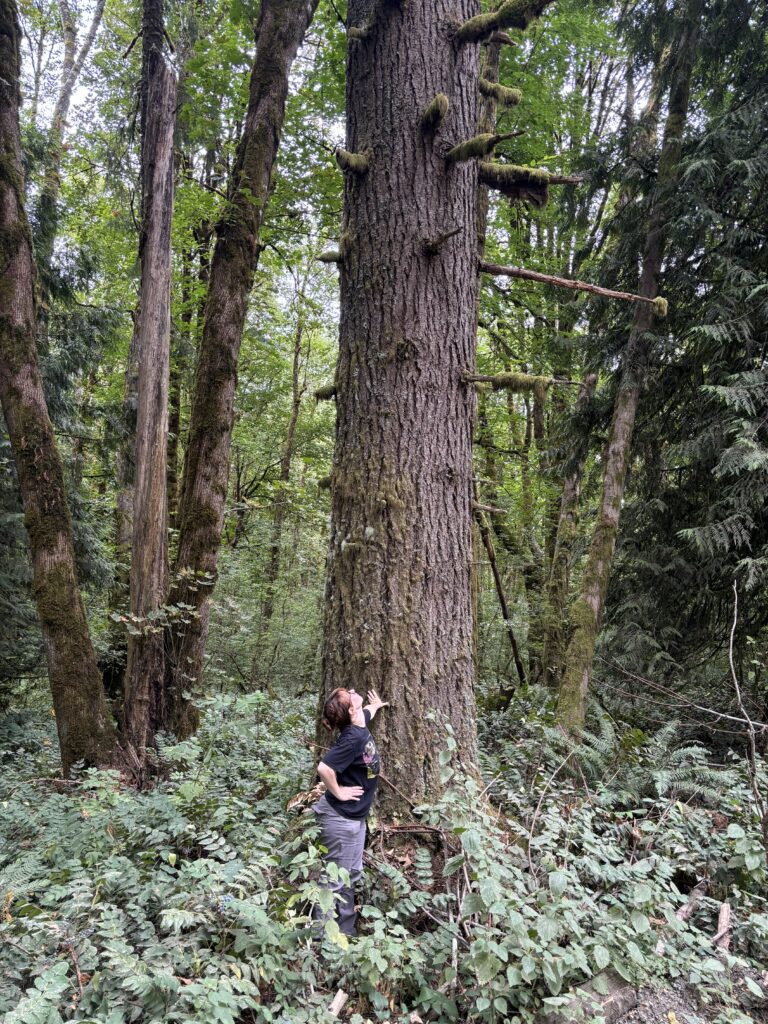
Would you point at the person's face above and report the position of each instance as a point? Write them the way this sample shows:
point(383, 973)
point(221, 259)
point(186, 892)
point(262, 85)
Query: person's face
point(355, 700)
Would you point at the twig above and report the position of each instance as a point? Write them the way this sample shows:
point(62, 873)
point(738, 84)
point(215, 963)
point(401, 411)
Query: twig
point(544, 791)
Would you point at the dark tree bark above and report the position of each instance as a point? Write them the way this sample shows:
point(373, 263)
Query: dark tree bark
point(83, 722)
point(398, 602)
point(281, 28)
point(144, 709)
point(587, 611)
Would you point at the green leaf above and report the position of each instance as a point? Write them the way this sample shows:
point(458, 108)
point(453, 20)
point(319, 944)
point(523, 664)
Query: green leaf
point(602, 956)
point(753, 987)
point(735, 831)
point(600, 985)
point(557, 883)
point(640, 922)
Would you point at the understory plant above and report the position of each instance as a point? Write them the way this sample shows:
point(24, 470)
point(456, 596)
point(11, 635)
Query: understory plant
point(193, 901)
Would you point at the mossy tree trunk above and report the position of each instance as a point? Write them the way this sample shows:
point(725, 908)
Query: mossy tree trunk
point(398, 615)
point(280, 30)
point(587, 611)
point(144, 711)
point(82, 718)
point(558, 582)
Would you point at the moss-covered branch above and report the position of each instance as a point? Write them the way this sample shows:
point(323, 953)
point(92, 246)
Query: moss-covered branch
point(355, 163)
point(477, 146)
point(660, 305)
point(530, 184)
point(325, 393)
point(330, 256)
point(510, 381)
point(504, 96)
point(511, 14)
point(435, 112)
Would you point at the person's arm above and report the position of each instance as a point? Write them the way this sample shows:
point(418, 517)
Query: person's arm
point(374, 703)
point(328, 775)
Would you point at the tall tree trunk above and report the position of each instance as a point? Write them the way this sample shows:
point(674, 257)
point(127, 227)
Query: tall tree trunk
point(278, 518)
point(281, 28)
point(558, 583)
point(144, 711)
point(398, 600)
point(587, 611)
point(82, 719)
point(72, 65)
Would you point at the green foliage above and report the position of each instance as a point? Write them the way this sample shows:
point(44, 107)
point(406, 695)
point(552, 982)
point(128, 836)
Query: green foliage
point(192, 900)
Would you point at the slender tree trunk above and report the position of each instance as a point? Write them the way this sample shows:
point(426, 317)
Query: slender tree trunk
point(144, 711)
point(82, 719)
point(280, 508)
point(558, 584)
point(281, 28)
point(72, 65)
point(587, 611)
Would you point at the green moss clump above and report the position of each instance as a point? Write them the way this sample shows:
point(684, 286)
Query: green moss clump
point(435, 112)
point(512, 14)
point(660, 306)
point(516, 182)
point(325, 393)
point(331, 256)
point(477, 146)
point(503, 95)
point(355, 163)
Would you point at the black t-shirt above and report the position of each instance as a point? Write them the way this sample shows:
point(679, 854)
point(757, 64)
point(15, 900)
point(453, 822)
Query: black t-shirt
point(355, 760)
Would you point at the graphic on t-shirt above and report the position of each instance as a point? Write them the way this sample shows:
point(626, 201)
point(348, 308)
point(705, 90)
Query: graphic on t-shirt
point(371, 759)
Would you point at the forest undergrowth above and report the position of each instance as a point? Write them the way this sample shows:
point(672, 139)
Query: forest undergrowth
point(191, 901)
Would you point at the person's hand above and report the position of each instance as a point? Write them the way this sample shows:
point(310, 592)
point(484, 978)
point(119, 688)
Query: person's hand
point(350, 792)
point(375, 702)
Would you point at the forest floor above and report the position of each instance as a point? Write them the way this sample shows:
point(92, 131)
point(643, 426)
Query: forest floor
point(191, 901)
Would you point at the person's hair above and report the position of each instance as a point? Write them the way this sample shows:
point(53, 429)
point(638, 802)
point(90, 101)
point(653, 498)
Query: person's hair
point(336, 710)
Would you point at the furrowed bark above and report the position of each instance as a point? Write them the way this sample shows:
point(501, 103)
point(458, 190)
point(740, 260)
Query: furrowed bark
point(398, 614)
point(82, 718)
point(144, 710)
point(281, 27)
point(587, 611)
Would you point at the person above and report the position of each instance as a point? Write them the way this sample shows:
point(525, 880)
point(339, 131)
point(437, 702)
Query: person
point(350, 771)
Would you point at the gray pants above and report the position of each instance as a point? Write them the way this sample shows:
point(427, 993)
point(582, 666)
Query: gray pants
point(344, 839)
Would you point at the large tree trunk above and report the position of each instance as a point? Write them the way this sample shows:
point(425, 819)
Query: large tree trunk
point(83, 722)
point(280, 30)
point(587, 611)
point(144, 711)
point(398, 602)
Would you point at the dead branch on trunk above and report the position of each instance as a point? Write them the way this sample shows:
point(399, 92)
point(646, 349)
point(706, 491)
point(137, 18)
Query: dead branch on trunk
point(659, 304)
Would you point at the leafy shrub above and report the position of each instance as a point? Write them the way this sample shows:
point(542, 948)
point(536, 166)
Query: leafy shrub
point(193, 901)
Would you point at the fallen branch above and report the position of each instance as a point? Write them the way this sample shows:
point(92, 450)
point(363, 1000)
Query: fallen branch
point(337, 1003)
point(659, 304)
point(723, 937)
point(683, 913)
